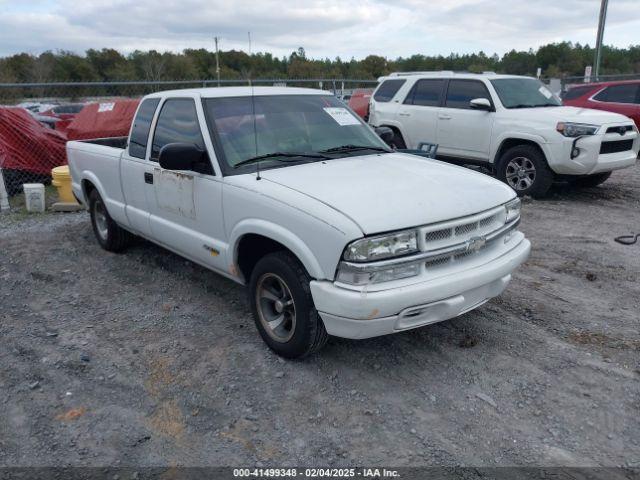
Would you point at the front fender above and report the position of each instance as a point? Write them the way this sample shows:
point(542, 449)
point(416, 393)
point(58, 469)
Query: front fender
point(279, 234)
point(537, 139)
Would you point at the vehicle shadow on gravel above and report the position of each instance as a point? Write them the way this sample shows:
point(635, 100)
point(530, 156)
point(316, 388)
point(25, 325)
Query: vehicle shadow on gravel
point(201, 282)
point(608, 191)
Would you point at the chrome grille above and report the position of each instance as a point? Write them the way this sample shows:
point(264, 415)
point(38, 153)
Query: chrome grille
point(466, 228)
point(438, 235)
point(437, 261)
point(457, 231)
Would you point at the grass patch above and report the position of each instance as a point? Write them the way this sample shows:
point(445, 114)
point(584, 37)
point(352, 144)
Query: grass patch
point(18, 209)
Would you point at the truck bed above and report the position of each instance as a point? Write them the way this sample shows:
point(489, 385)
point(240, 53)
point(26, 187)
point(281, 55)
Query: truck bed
point(115, 142)
point(98, 160)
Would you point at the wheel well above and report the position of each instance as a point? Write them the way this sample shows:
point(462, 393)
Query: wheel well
point(87, 188)
point(395, 130)
point(512, 142)
point(251, 248)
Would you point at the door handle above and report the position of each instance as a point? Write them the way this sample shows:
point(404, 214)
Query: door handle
point(443, 116)
point(148, 178)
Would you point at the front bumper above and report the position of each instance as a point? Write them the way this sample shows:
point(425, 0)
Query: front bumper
point(590, 160)
point(361, 314)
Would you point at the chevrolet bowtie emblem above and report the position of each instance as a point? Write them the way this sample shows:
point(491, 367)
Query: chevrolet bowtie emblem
point(476, 243)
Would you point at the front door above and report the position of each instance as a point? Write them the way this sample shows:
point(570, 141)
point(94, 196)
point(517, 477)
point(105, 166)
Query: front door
point(186, 206)
point(462, 131)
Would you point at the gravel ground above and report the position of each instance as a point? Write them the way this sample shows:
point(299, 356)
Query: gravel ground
point(145, 359)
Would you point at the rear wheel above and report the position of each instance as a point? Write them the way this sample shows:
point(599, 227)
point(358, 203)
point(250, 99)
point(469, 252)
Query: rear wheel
point(525, 169)
point(283, 308)
point(591, 180)
point(110, 236)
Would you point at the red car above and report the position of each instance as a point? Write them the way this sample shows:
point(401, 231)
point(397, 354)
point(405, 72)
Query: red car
point(618, 97)
point(359, 102)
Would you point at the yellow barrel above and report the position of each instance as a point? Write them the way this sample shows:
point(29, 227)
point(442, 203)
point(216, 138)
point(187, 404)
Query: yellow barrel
point(61, 179)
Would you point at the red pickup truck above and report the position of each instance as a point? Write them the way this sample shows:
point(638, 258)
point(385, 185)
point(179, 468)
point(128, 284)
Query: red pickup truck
point(619, 97)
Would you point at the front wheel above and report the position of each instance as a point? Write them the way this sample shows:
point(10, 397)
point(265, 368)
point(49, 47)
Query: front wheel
point(525, 169)
point(397, 142)
point(591, 180)
point(283, 308)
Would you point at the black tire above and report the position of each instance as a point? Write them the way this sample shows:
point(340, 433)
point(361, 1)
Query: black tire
point(589, 181)
point(297, 335)
point(397, 142)
point(525, 169)
point(109, 234)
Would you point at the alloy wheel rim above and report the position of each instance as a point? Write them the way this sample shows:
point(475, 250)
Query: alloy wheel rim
point(100, 216)
point(520, 173)
point(276, 308)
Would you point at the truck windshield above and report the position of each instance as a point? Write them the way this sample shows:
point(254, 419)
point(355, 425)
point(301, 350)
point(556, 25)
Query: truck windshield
point(524, 93)
point(313, 126)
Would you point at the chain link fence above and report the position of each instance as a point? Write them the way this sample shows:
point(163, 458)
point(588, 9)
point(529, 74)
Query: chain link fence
point(32, 135)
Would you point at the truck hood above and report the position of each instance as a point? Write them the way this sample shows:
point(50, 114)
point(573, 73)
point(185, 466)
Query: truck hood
point(393, 191)
point(569, 114)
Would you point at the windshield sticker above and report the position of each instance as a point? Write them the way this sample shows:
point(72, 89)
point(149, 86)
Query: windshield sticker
point(106, 107)
point(342, 116)
point(545, 91)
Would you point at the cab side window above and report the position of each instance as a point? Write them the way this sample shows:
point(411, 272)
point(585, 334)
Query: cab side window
point(141, 126)
point(461, 92)
point(177, 123)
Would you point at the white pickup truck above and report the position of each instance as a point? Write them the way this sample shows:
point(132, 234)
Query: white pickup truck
point(512, 124)
point(287, 191)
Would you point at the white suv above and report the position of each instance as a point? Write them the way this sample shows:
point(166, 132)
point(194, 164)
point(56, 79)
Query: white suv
point(515, 124)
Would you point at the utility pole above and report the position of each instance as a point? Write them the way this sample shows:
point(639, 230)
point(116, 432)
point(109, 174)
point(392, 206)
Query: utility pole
point(601, 22)
point(217, 60)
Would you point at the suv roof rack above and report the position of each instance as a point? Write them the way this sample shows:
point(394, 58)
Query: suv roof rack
point(408, 74)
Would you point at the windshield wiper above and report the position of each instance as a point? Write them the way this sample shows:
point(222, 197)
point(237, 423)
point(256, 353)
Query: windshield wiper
point(353, 148)
point(280, 157)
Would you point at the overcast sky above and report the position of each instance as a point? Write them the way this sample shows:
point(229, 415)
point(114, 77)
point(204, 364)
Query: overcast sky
point(325, 28)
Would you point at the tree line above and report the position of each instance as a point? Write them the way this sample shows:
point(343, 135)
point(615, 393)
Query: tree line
point(555, 60)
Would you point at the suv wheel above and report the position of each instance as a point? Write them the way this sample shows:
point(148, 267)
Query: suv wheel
point(525, 169)
point(283, 308)
point(397, 142)
point(591, 180)
point(110, 236)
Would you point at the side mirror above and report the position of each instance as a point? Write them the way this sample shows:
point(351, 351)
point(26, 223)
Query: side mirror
point(481, 104)
point(385, 133)
point(182, 156)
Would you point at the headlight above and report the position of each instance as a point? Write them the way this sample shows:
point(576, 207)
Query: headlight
point(570, 129)
point(364, 275)
point(383, 246)
point(512, 209)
